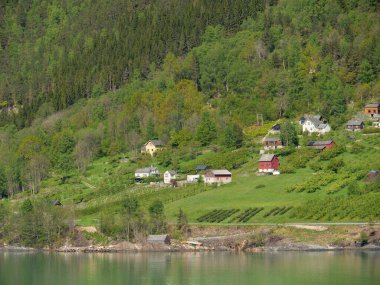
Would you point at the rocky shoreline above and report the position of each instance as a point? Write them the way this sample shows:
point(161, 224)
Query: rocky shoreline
point(240, 239)
point(124, 247)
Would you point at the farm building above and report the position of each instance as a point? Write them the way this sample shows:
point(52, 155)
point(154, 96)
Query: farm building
point(192, 178)
point(321, 145)
point(147, 172)
point(219, 177)
point(354, 125)
point(268, 163)
point(372, 110)
point(159, 239)
point(314, 124)
point(169, 176)
point(152, 147)
point(272, 143)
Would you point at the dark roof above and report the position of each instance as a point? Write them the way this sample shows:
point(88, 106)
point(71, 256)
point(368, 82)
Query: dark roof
point(354, 123)
point(201, 167)
point(267, 157)
point(55, 203)
point(276, 127)
point(372, 105)
point(319, 143)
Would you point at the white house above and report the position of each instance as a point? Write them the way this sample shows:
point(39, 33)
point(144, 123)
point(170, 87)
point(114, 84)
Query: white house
point(314, 124)
point(146, 172)
point(170, 175)
point(218, 177)
point(192, 178)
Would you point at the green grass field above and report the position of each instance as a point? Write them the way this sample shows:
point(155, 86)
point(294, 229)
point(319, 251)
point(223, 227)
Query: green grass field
point(107, 183)
point(242, 194)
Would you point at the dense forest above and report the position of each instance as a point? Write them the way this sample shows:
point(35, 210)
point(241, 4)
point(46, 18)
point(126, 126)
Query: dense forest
point(60, 51)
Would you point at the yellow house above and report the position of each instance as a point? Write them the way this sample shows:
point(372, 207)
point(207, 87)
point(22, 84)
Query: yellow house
point(152, 147)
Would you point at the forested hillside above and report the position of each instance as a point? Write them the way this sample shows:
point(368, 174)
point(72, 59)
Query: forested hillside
point(60, 51)
point(84, 84)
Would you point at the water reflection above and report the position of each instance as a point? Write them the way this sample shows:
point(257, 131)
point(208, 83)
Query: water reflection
point(190, 268)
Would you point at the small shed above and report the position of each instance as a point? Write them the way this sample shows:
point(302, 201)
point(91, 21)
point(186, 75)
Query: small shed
point(159, 239)
point(321, 145)
point(276, 129)
point(192, 178)
point(55, 203)
point(201, 168)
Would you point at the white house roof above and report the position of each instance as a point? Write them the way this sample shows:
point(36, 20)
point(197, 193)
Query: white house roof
point(267, 157)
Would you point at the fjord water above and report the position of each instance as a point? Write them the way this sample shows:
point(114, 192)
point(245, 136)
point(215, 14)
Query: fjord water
point(286, 268)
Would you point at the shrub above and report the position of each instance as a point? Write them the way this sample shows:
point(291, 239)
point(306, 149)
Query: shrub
point(260, 186)
point(287, 168)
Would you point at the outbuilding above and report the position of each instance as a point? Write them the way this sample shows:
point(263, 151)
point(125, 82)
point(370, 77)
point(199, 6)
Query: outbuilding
point(219, 177)
point(321, 145)
point(354, 125)
point(159, 239)
point(169, 176)
point(268, 163)
point(272, 143)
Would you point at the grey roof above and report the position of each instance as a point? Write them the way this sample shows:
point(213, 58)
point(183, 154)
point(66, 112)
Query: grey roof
point(172, 172)
point(157, 238)
point(354, 123)
point(316, 120)
point(372, 105)
point(272, 139)
point(320, 143)
point(146, 170)
point(156, 142)
point(267, 157)
point(220, 172)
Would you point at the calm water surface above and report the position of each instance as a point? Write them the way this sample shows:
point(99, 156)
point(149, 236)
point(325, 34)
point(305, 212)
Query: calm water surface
point(288, 268)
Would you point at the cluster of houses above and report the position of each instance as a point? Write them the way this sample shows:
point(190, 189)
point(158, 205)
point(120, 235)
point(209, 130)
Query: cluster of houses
point(268, 163)
point(372, 112)
point(208, 176)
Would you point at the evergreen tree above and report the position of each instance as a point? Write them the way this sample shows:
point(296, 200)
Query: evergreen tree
point(206, 132)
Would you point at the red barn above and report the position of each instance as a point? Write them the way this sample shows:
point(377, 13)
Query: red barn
point(321, 145)
point(268, 163)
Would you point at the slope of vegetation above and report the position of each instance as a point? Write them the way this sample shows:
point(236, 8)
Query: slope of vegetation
point(198, 81)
